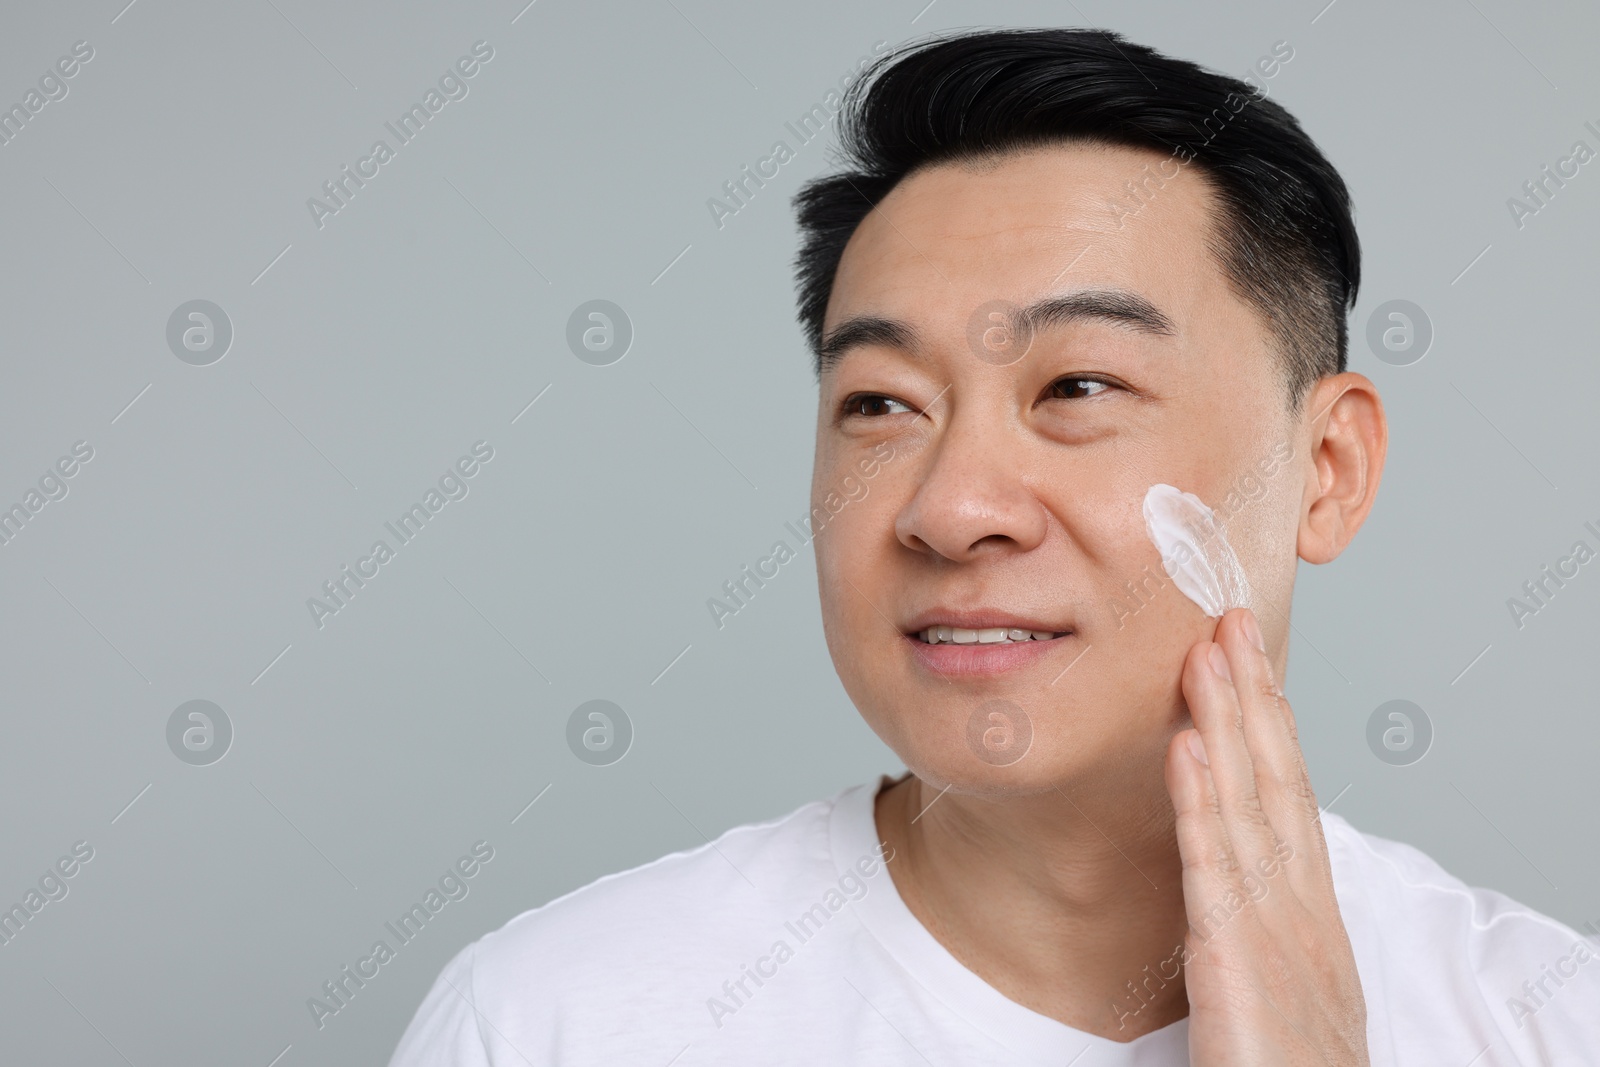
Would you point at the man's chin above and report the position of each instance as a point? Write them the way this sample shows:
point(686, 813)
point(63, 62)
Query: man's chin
point(998, 755)
point(1039, 769)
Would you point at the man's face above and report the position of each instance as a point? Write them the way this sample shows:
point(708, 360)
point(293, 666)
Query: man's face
point(965, 485)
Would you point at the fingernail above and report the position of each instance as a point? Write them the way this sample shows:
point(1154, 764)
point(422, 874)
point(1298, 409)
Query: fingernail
point(1252, 630)
point(1219, 663)
point(1197, 747)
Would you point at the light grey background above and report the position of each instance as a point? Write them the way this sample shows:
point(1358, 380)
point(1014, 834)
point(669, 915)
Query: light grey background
point(369, 354)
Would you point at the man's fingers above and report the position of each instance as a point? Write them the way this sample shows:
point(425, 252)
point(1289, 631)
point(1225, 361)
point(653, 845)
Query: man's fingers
point(1283, 783)
point(1214, 706)
point(1211, 869)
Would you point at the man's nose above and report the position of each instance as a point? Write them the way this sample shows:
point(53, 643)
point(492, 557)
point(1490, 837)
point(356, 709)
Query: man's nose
point(973, 497)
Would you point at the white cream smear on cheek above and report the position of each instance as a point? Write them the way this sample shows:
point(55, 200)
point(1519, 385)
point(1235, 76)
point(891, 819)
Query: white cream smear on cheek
point(1194, 550)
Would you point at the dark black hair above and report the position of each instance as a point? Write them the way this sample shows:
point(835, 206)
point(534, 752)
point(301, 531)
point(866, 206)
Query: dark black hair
point(1285, 238)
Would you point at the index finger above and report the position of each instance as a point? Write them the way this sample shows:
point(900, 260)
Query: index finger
point(1283, 781)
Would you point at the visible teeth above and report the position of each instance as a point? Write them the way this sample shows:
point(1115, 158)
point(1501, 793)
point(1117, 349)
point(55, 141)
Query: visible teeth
point(998, 635)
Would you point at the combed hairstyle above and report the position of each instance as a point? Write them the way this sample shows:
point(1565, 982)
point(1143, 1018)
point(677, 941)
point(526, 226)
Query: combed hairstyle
point(1285, 236)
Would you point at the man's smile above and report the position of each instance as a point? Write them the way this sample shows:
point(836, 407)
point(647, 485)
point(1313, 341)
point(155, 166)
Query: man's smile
point(981, 641)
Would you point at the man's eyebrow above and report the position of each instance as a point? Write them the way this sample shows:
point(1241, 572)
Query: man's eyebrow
point(863, 330)
point(1121, 307)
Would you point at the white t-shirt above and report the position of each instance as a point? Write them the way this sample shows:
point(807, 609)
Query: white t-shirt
point(786, 943)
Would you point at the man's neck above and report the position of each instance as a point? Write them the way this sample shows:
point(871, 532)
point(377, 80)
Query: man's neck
point(1069, 905)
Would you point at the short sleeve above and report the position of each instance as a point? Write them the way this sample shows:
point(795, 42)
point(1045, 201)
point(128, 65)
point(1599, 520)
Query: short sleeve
point(1458, 972)
point(1543, 981)
point(445, 1032)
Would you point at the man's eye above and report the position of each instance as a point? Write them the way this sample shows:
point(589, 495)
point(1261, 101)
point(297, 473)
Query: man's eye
point(1076, 388)
point(870, 405)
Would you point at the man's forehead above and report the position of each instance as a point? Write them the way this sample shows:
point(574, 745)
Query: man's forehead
point(1032, 224)
point(1089, 187)
point(1120, 308)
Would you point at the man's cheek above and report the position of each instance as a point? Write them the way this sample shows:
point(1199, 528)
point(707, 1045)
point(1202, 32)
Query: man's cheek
point(1137, 598)
point(853, 549)
point(1143, 626)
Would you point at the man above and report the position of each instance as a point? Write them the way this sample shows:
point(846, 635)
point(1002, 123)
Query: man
point(1079, 317)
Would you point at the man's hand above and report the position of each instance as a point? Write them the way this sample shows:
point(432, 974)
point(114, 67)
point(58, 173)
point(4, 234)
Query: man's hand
point(1270, 974)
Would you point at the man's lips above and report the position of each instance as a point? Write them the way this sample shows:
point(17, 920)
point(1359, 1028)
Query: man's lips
point(980, 619)
point(976, 660)
point(981, 642)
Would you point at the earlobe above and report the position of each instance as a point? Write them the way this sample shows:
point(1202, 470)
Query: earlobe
point(1349, 437)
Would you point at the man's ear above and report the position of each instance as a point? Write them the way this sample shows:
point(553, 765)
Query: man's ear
point(1348, 437)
